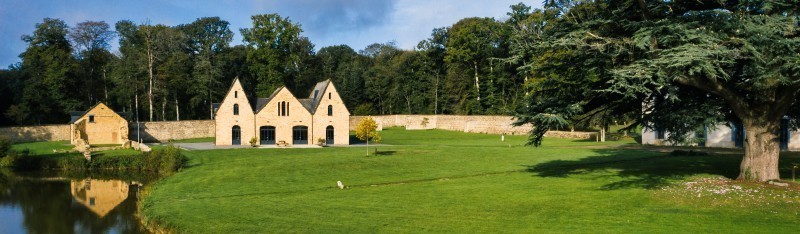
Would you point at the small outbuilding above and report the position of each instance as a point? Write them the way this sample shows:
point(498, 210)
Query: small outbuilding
point(98, 126)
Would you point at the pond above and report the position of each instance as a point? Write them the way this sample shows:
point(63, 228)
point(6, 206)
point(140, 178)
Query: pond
point(72, 203)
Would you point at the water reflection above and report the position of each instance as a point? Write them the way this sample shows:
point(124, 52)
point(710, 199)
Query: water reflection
point(100, 196)
point(53, 204)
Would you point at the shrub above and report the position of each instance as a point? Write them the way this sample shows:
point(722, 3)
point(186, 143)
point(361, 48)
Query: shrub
point(5, 146)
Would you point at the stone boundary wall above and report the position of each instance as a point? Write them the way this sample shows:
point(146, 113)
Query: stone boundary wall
point(490, 124)
point(58, 132)
point(163, 131)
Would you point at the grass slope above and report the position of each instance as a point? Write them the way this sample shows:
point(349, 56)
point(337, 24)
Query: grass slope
point(442, 181)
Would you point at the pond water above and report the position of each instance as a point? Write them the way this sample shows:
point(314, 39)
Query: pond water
point(52, 203)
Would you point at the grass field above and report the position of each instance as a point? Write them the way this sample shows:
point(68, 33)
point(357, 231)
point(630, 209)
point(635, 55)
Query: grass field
point(441, 181)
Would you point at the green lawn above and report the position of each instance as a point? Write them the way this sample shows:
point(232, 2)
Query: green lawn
point(194, 140)
point(442, 181)
point(48, 149)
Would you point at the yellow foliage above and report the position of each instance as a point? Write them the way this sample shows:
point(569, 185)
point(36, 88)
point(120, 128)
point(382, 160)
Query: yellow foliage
point(367, 130)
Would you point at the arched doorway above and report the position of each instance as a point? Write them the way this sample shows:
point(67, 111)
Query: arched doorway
point(329, 135)
point(267, 135)
point(299, 135)
point(236, 135)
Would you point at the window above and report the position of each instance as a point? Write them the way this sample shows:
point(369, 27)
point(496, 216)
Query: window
point(283, 108)
point(660, 134)
point(329, 95)
point(287, 109)
point(329, 135)
point(235, 109)
point(235, 94)
point(267, 135)
point(236, 135)
point(299, 135)
point(330, 110)
point(91, 118)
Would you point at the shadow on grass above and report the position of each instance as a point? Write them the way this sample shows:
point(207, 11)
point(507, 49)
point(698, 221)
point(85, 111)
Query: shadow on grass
point(385, 153)
point(648, 170)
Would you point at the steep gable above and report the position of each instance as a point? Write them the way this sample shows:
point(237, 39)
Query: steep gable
point(282, 94)
point(329, 96)
point(235, 95)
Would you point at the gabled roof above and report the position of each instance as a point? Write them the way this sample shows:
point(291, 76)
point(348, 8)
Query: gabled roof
point(74, 114)
point(319, 89)
point(262, 102)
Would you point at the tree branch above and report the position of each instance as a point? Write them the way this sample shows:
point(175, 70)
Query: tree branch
point(716, 87)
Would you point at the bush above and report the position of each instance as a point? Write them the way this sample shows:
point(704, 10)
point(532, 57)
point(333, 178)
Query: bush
point(163, 161)
point(5, 146)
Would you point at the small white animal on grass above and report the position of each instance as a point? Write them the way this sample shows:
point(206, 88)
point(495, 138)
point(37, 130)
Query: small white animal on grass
point(339, 183)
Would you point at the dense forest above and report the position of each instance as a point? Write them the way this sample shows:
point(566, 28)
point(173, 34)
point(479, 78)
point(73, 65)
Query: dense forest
point(167, 72)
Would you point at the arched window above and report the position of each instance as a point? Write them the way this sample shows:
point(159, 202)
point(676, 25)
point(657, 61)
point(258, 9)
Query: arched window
point(330, 110)
point(267, 135)
point(329, 135)
point(235, 109)
point(236, 135)
point(299, 135)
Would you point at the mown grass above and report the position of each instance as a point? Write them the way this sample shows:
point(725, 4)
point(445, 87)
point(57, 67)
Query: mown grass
point(441, 181)
point(194, 140)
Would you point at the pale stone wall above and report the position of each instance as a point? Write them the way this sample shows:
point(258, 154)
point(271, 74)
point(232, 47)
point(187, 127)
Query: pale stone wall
point(225, 120)
point(491, 124)
point(172, 130)
point(339, 120)
point(297, 116)
point(59, 132)
point(107, 128)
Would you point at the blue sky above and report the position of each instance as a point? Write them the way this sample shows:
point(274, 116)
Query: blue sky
point(356, 23)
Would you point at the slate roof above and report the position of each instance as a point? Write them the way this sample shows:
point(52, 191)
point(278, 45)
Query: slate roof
point(319, 89)
point(309, 103)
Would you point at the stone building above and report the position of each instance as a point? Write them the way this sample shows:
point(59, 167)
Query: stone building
point(99, 125)
point(282, 118)
point(728, 135)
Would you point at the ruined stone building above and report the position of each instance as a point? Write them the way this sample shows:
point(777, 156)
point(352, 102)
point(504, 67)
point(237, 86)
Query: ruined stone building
point(282, 118)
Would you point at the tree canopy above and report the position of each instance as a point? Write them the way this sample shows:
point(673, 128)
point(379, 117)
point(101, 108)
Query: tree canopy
point(680, 65)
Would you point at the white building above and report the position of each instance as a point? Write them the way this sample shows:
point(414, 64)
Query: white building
point(723, 136)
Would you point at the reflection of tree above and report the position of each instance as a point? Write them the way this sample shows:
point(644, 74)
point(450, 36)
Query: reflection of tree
point(48, 207)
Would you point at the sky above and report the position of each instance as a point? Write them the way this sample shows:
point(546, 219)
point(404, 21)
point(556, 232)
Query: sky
point(356, 23)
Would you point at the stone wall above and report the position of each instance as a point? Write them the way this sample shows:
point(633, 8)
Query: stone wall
point(37, 133)
point(172, 130)
point(490, 124)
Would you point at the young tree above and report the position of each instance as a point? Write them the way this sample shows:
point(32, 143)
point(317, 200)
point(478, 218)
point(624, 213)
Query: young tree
point(367, 130)
point(689, 63)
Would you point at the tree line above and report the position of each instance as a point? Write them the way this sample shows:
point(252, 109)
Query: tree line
point(162, 72)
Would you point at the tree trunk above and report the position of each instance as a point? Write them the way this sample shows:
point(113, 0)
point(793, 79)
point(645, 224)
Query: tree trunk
point(477, 81)
point(761, 151)
point(150, 92)
point(602, 133)
point(177, 110)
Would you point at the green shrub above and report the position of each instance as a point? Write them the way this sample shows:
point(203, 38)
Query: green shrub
point(5, 146)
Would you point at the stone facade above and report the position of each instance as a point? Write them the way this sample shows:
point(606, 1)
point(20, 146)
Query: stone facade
point(163, 131)
point(226, 119)
point(283, 118)
point(59, 132)
point(490, 124)
point(339, 118)
point(272, 115)
point(99, 125)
